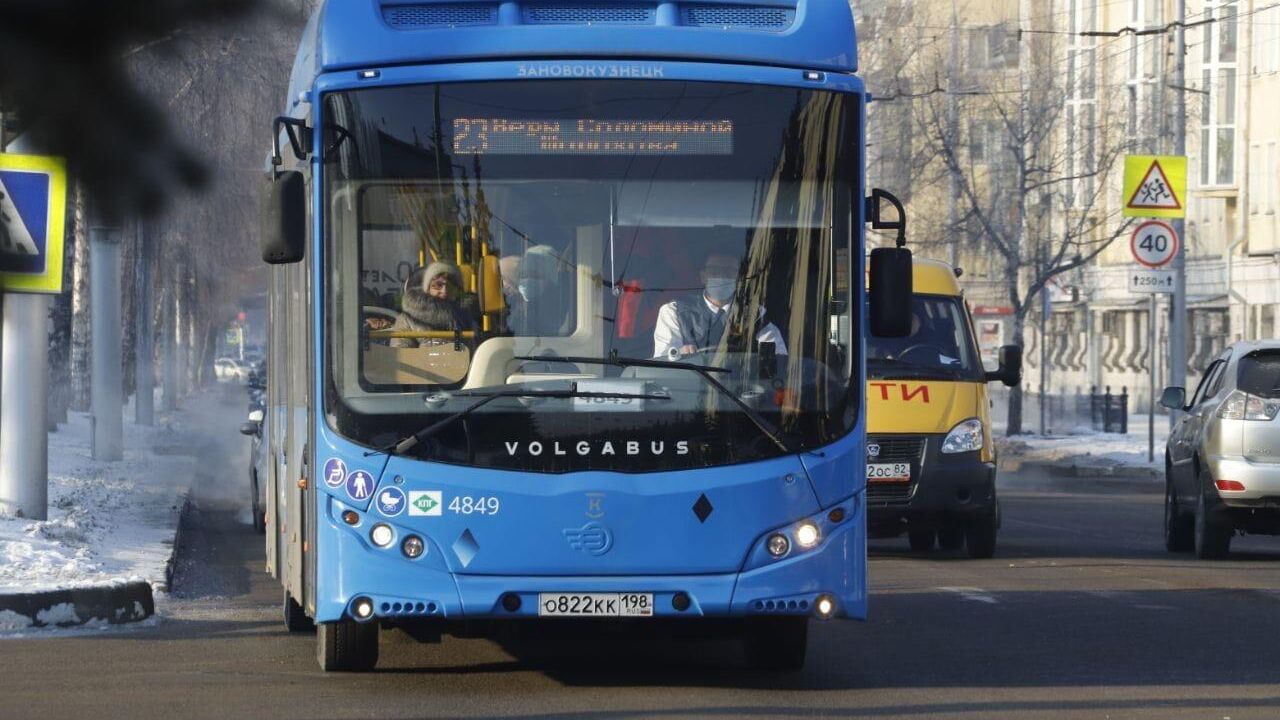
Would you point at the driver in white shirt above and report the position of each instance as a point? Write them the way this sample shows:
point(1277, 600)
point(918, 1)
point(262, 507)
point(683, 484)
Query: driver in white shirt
point(687, 325)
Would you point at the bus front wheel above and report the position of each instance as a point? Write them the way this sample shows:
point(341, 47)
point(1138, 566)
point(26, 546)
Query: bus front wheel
point(777, 643)
point(347, 646)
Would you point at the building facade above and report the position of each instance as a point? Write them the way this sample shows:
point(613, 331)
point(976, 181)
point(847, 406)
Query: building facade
point(1112, 63)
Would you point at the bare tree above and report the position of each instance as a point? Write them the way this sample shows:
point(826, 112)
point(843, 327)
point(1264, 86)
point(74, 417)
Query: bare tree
point(1031, 172)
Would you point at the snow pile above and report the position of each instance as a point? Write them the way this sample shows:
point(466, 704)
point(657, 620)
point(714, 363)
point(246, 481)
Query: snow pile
point(107, 521)
point(1085, 447)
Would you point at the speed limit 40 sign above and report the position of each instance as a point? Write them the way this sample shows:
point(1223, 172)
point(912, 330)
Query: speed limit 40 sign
point(1154, 244)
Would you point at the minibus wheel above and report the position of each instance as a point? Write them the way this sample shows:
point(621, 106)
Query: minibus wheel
point(347, 646)
point(921, 540)
point(951, 537)
point(980, 536)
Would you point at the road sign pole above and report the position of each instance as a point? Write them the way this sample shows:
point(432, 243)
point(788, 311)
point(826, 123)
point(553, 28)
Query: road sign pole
point(24, 400)
point(107, 395)
point(1178, 306)
point(1151, 367)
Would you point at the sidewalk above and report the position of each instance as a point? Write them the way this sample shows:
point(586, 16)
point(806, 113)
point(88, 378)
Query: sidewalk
point(1085, 453)
point(109, 540)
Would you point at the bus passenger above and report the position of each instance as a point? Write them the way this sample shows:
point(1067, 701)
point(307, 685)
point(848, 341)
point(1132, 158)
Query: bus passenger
point(691, 324)
point(509, 268)
point(543, 305)
point(437, 302)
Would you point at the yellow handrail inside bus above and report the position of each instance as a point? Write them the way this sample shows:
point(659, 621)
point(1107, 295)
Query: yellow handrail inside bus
point(421, 334)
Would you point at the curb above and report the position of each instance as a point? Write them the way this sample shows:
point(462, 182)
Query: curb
point(115, 604)
point(1093, 478)
point(171, 565)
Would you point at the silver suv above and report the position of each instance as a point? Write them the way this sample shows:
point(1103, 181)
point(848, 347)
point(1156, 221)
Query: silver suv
point(1222, 461)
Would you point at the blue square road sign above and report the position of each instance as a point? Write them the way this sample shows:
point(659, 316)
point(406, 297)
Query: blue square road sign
point(33, 206)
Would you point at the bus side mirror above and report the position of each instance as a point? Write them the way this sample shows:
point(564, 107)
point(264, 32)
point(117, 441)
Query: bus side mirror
point(284, 219)
point(889, 292)
point(1010, 372)
point(889, 281)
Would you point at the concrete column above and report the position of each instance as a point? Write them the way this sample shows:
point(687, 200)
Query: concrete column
point(145, 372)
point(107, 395)
point(169, 340)
point(24, 407)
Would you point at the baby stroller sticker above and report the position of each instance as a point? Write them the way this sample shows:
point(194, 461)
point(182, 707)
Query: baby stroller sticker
point(391, 501)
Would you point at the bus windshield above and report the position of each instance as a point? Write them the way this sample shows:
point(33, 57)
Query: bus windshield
point(939, 347)
point(509, 237)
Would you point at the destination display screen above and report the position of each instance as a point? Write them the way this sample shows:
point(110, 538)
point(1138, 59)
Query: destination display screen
point(516, 136)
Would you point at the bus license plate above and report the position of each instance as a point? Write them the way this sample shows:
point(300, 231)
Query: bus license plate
point(595, 604)
point(889, 472)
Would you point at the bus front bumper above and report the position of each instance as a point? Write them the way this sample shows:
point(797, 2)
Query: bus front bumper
point(402, 590)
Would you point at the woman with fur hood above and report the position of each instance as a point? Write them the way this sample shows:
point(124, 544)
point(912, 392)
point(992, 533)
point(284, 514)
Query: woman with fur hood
point(437, 301)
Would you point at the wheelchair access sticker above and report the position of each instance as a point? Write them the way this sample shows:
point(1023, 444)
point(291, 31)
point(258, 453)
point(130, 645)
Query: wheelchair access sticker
point(391, 501)
point(335, 472)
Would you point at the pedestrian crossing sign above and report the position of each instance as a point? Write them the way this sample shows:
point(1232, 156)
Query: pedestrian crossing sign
point(33, 210)
point(1155, 186)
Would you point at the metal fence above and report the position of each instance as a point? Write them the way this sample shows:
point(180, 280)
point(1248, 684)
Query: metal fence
point(1104, 411)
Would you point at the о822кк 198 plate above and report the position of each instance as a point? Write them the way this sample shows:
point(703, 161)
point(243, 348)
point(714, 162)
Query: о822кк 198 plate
point(595, 604)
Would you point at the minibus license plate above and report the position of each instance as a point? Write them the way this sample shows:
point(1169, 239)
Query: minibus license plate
point(889, 472)
point(595, 604)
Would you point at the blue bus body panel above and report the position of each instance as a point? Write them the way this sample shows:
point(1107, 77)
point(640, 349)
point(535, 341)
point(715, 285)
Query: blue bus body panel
point(542, 537)
point(648, 539)
point(810, 34)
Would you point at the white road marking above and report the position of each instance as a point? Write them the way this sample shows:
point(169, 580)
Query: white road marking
point(972, 594)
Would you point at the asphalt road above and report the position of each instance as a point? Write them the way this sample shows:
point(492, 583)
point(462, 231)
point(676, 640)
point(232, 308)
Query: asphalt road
point(1081, 614)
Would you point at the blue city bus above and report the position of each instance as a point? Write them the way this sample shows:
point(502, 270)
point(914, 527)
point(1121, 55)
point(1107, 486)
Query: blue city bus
point(566, 320)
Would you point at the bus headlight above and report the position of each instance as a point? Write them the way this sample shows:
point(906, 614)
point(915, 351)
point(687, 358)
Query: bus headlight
point(412, 547)
point(807, 535)
point(778, 545)
point(382, 535)
point(964, 437)
point(363, 608)
point(825, 606)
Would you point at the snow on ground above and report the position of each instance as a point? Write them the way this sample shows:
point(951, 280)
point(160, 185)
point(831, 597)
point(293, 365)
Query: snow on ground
point(108, 521)
point(1087, 447)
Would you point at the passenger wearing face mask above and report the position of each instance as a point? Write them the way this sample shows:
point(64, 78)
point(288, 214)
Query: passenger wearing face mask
point(541, 304)
point(688, 325)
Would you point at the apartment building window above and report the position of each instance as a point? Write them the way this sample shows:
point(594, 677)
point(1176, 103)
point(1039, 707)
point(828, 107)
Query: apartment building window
point(1082, 100)
point(1218, 108)
point(1262, 178)
point(1268, 187)
point(986, 141)
point(1146, 54)
point(1261, 322)
point(1266, 40)
point(993, 48)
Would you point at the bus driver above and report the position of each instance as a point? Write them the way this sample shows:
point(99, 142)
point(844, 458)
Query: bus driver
point(687, 325)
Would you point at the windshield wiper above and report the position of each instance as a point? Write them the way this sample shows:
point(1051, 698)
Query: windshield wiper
point(707, 373)
point(403, 445)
